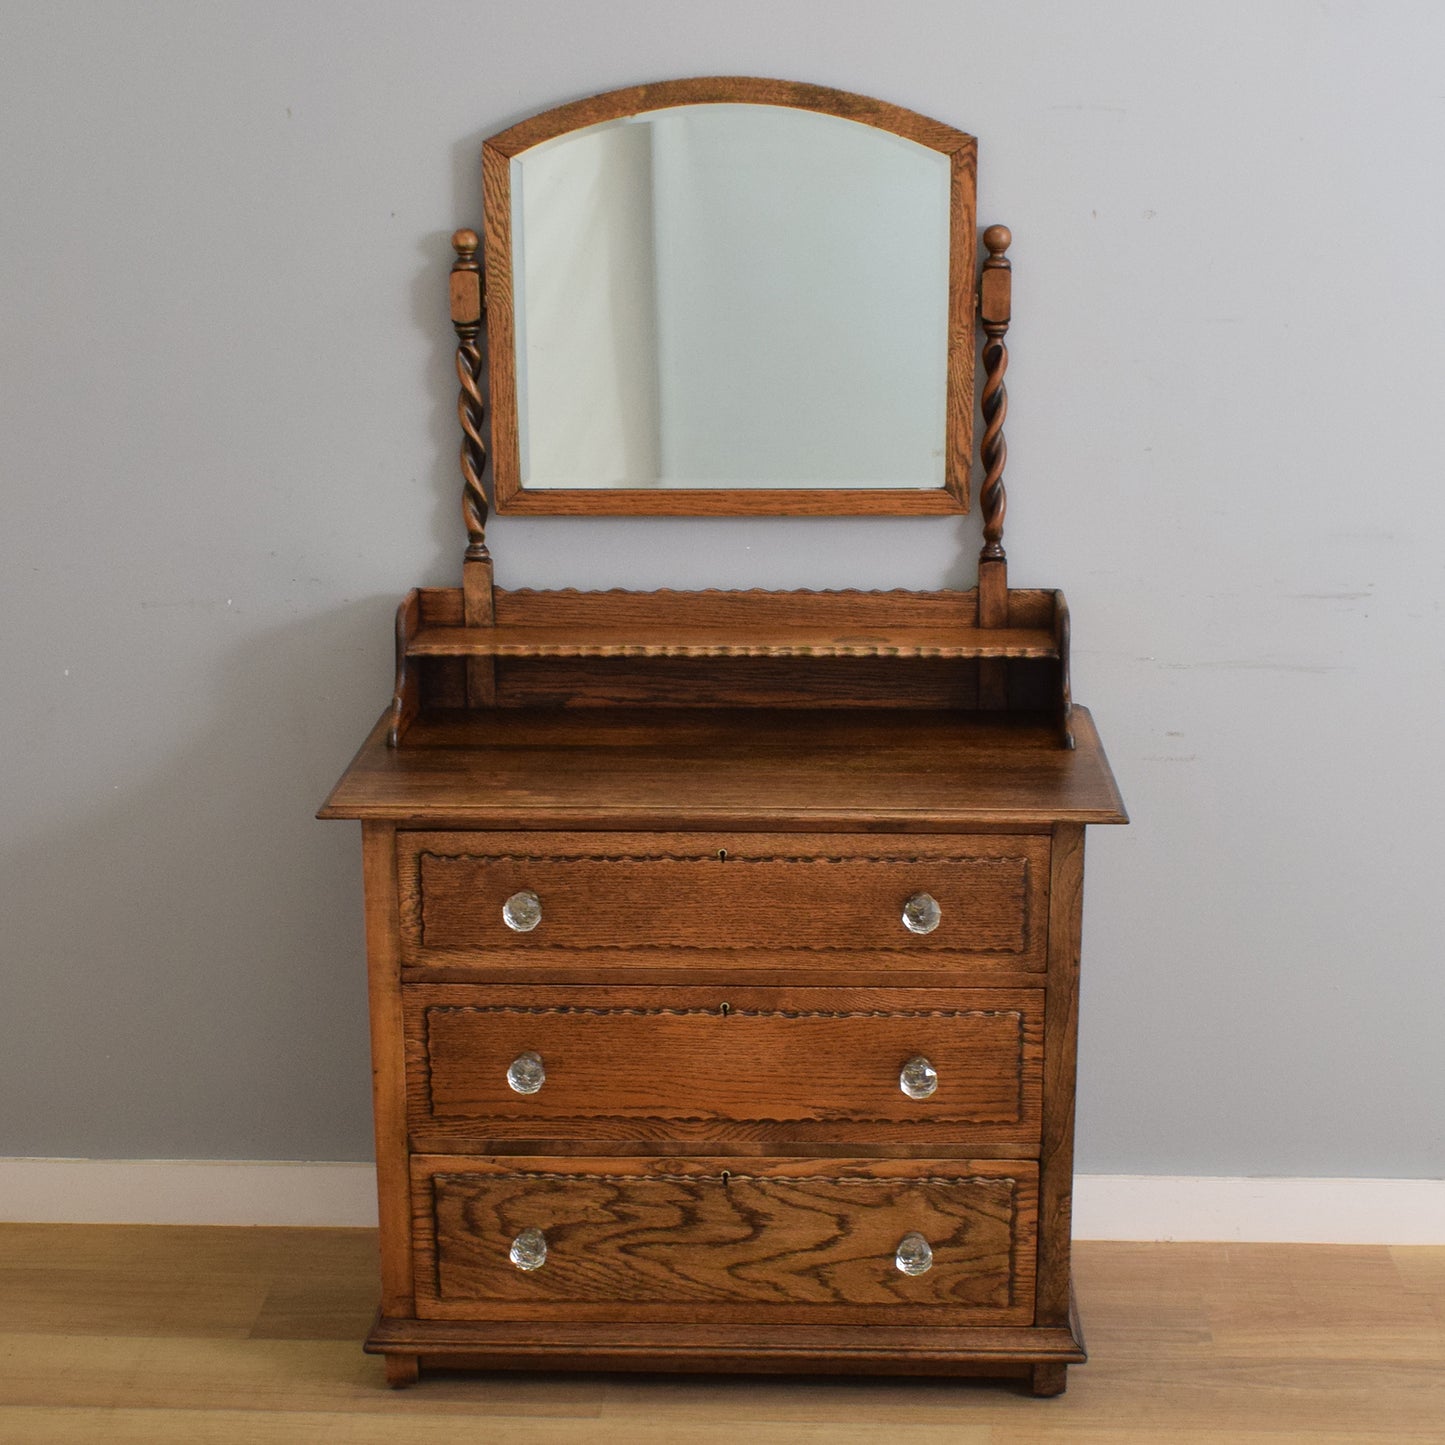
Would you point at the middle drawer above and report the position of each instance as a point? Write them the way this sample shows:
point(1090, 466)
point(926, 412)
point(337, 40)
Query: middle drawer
point(491, 1065)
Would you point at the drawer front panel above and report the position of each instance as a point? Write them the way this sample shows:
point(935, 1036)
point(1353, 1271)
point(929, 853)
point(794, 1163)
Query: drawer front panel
point(647, 895)
point(804, 1241)
point(802, 1064)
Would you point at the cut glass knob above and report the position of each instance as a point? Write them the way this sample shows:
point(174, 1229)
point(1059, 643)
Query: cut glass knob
point(915, 1255)
point(522, 912)
point(921, 914)
point(529, 1250)
point(917, 1078)
point(527, 1073)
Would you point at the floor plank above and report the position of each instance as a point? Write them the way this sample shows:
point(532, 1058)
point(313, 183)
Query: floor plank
point(221, 1427)
point(127, 1333)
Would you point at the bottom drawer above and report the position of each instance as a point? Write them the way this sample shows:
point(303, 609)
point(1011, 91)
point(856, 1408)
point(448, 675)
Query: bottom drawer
point(782, 1240)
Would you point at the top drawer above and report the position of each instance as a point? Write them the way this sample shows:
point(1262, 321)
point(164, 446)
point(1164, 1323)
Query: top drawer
point(621, 899)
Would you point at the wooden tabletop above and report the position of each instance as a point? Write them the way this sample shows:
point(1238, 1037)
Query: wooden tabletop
point(754, 768)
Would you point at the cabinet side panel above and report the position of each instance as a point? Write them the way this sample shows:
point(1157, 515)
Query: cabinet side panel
point(1061, 1024)
point(388, 1065)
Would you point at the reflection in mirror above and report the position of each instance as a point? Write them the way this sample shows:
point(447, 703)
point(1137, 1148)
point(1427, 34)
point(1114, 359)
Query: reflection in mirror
point(731, 296)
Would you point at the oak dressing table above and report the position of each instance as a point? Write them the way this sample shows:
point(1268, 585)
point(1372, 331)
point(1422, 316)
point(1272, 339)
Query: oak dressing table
point(723, 946)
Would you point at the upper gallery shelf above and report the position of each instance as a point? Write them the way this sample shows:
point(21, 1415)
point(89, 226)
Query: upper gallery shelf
point(793, 639)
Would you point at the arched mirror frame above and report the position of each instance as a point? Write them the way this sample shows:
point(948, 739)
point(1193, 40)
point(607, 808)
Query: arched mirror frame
point(497, 154)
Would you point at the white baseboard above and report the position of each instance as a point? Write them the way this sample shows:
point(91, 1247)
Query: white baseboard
point(1264, 1211)
point(1106, 1206)
point(186, 1191)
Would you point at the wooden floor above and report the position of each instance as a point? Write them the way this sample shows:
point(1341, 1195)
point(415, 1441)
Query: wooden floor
point(118, 1334)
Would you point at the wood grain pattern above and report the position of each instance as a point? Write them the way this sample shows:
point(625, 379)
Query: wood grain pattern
point(803, 683)
point(866, 770)
point(719, 502)
point(698, 1239)
point(755, 648)
point(727, 90)
point(637, 893)
point(688, 640)
point(995, 290)
point(1065, 690)
point(722, 966)
point(466, 307)
point(1048, 1379)
point(388, 1064)
point(497, 154)
point(760, 1348)
point(845, 609)
point(739, 609)
point(1061, 1030)
point(401, 1369)
point(717, 966)
point(479, 671)
point(994, 609)
point(406, 690)
point(722, 1063)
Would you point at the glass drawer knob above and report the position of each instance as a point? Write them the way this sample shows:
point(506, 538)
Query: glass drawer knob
point(529, 1249)
point(527, 1073)
point(522, 912)
point(917, 1078)
point(921, 914)
point(915, 1255)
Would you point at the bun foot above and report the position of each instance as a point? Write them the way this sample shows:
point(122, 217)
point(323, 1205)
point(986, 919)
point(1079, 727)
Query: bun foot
point(403, 1370)
point(1048, 1379)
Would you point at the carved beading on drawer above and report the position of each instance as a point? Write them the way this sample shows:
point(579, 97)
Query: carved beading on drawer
point(800, 1240)
point(801, 1064)
point(976, 897)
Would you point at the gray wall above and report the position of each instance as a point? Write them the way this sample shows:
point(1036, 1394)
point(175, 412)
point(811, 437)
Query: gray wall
point(227, 446)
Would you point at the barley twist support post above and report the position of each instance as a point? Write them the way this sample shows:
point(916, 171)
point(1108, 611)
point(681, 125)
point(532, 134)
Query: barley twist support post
point(466, 298)
point(466, 301)
point(994, 288)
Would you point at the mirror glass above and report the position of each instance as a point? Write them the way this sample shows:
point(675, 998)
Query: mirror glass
point(731, 296)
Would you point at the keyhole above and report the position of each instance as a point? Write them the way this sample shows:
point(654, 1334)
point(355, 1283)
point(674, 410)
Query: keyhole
point(725, 1009)
point(722, 855)
point(726, 1177)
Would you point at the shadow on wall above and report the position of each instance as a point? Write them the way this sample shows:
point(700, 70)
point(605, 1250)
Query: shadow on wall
point(184, 965)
